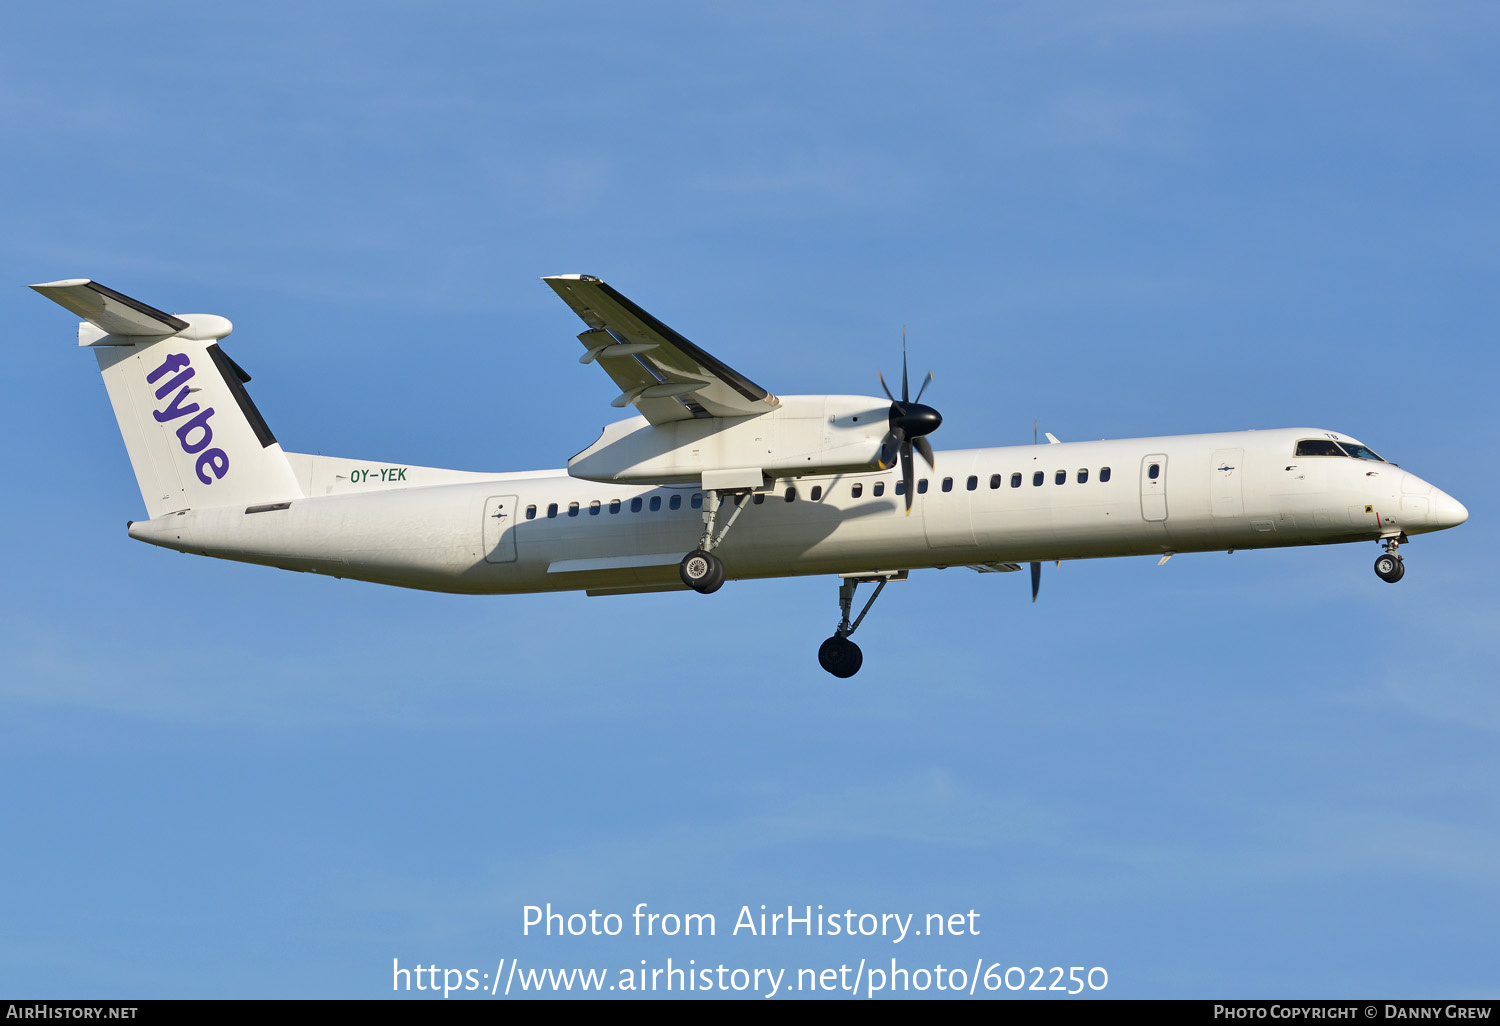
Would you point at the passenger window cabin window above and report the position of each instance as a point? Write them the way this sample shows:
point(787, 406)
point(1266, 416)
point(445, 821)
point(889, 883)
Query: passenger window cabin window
point(922, 486)
point(594, 508)
point(1037, 479)
point(1062, 477)
point(655, 503)
point(675, 502)
point(879, 489)
point(1015, 480)
point(1083, 475)
point(758, 498)
point(635, 504)
point(900, 487)
point(1103, 475)
point(856, 490)
point(614, 505)
point(551, 510)
point(572, 509)
point(947, 484)
point(817, 493)
point(791, 494)
point(531, 512)
point(697, 502)
point(973, 482)
point(996, 480)
point(1154, 472)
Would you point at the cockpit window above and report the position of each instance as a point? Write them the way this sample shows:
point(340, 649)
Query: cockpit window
point(1319, 447)
point(1360, 452)
point(1328, 447)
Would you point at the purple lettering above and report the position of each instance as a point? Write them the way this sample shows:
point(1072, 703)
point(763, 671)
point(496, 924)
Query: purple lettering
point(215, 460)
point(173, 410)
point(195, 434)
point(199, 423)
point(174, 362)
point(181, 379)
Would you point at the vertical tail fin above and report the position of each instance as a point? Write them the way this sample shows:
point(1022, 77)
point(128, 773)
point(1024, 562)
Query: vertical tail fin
point(194, 437)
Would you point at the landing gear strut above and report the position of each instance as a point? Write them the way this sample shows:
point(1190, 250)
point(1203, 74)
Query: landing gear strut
point(1389, 567)
point(700, 569)
point(838, 655)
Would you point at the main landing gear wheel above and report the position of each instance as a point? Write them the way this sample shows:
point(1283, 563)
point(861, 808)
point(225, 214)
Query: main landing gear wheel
point(702, 571)
point(840, 657)
point(1390, 568)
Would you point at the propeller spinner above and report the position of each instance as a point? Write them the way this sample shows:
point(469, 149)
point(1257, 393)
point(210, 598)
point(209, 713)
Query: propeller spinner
point(911, 422)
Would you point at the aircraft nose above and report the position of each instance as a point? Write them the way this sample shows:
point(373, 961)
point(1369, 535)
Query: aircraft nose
point(1447, 511)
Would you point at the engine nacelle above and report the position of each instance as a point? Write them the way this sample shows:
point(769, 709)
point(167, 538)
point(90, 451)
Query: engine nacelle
point(806, 434)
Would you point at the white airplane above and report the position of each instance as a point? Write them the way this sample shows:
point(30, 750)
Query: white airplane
point(747, 484)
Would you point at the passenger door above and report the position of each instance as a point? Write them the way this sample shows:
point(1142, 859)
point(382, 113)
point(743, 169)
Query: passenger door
point(1227, 477)
point(500, 512)
point(1154, 487)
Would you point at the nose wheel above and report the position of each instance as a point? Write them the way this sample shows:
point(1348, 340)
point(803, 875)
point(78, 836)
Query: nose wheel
point(838, 655)
point(1389, 567)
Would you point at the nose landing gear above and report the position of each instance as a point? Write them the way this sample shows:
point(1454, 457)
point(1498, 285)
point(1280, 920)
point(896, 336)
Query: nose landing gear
point(838, 655)
point(1389, 567)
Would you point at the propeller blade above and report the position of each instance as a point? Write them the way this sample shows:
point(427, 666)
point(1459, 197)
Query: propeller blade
point(908, 474)
point(925, 448)
point(909, 421)
point(923, 388)
point(1036, 580)
point(892, 446)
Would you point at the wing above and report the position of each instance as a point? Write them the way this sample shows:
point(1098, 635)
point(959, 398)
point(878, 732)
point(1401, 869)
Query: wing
point(661, 373)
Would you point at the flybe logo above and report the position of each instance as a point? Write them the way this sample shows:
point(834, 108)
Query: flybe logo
point(193, 435)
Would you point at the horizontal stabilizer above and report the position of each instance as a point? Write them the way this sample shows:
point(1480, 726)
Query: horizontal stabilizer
point(112, 312)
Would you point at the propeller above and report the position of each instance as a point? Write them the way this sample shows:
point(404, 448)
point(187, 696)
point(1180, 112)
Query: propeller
point(911, 422)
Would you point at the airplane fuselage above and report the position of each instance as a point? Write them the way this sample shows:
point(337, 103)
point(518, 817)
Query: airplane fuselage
point(546, 531)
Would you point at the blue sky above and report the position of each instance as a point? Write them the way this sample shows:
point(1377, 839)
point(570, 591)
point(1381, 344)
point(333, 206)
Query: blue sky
point(1266, 774)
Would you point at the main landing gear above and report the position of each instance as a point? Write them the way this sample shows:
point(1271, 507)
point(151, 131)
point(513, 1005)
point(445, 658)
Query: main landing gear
point(1390, 568)
point(700, 569)
point(838, 655)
